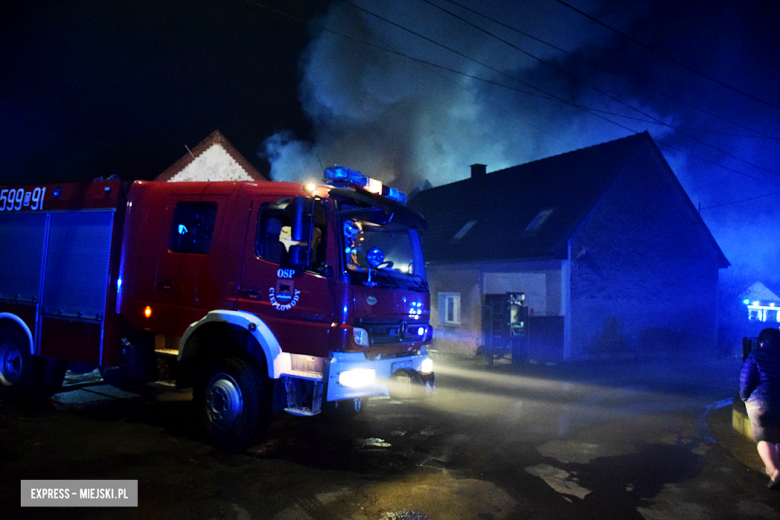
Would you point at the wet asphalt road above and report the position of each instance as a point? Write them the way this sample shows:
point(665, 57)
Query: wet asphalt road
point(608, 440)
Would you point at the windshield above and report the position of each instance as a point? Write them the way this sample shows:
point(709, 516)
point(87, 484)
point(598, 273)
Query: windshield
point(400, 260)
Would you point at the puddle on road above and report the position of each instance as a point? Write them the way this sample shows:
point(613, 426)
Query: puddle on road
point(623, 481)
point(419, 495)
point(647, 471)
point(568, 451)
point(373, 442)
point(405, 515)
point(560, 480)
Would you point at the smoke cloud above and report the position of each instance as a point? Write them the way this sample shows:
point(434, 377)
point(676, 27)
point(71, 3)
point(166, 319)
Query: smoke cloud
point(405, 117)
point(404, 121)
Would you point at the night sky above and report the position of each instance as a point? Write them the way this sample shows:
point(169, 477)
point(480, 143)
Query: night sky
point(407, 91)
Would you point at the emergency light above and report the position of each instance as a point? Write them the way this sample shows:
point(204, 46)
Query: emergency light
point(395, 195)
point(343, 176)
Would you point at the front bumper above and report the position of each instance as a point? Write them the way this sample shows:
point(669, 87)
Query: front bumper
point(386, 369)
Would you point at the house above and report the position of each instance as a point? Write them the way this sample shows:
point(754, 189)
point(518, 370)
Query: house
point(610, 255)
point(213, 159)
point(763, 308)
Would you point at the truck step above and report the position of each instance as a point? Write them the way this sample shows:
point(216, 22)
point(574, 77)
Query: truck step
point(304, 374)
point(170, 383)
point(301, 411)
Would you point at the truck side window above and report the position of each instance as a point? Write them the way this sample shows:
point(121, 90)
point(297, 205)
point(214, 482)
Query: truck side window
point(270, 245)
point(273, 238)
point(193, 227)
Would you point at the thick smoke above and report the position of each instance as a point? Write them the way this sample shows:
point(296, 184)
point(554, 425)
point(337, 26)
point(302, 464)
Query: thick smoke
point(405, 122)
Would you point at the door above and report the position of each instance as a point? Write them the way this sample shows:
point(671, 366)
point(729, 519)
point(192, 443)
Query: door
point(189, 271)
point(297, 305)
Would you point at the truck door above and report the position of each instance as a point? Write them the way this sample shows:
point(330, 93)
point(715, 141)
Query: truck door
point(188, 268)
point(297, 305)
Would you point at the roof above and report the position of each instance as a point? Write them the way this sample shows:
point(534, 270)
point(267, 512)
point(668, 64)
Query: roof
point(759, 292)
point(213, 159)
point(528, 211)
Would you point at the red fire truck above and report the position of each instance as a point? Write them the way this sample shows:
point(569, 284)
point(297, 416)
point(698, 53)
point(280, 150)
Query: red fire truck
point(260, 296)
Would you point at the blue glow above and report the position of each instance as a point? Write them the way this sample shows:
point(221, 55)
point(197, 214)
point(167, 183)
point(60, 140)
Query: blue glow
point(375, 257)
point(341, 174)
point(421, 331)
point(396, 195)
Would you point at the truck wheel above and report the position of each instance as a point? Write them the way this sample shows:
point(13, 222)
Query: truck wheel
point(233, 404)
point(24, 377)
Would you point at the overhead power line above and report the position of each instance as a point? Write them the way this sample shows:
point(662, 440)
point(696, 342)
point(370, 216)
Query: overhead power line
point(540, 92)
point(567, 74)
point(667, 57)
point(755, 133)
point(740, 201)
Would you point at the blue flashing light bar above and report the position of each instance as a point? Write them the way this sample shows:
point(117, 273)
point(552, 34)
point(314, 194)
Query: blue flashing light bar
point(343, 176)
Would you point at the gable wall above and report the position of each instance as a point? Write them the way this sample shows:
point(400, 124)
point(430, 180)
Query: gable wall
point(540, 282)
point(462, 338)
point(645, 283)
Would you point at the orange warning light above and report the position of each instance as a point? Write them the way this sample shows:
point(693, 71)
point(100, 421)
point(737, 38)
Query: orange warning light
point(148, 312)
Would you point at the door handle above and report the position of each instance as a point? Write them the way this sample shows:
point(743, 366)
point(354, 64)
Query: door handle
point(165, 285)
point(251, 294)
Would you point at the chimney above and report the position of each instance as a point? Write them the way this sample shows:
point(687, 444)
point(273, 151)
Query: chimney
point(478, 170)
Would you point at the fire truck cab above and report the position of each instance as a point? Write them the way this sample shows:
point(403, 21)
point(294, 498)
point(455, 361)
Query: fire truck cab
point(261, 296)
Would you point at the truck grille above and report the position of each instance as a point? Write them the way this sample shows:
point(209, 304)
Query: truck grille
point(388, 333)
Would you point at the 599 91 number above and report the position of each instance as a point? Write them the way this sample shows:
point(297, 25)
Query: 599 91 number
point(15, 199)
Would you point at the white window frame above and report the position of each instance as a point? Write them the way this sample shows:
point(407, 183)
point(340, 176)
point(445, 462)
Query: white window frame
point(445, 299)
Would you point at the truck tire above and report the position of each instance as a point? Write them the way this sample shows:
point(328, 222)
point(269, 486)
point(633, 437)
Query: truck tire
point(233, 403)
point(23, 376)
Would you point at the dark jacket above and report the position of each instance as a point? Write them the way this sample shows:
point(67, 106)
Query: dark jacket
point(760, 376)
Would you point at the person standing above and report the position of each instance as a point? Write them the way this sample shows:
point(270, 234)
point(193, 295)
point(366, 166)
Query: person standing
point(759, 388)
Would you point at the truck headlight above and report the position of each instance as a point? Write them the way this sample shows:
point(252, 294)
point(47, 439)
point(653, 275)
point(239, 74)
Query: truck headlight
point(360, 336)
point(426, 367)
point(358, 377)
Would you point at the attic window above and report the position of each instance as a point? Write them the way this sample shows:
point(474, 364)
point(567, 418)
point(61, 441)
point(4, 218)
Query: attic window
point(465, 229)
point(539, 219)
